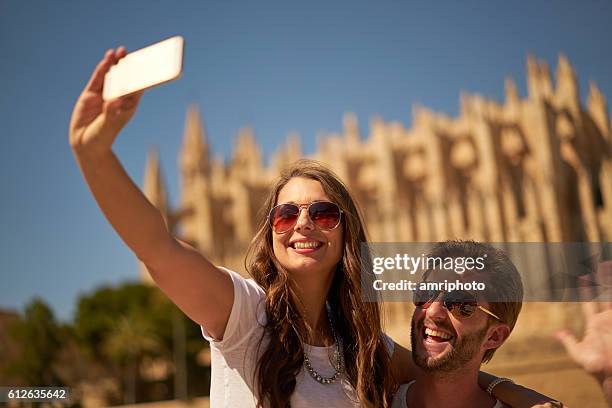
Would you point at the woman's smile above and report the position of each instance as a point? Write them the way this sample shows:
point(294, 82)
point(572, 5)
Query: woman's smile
point(307, 248)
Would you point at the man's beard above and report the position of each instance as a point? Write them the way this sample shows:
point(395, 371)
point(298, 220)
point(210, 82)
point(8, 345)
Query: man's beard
point(460, 354)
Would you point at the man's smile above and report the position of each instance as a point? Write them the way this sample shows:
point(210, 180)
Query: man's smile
point(435, 339)
point(436, 335)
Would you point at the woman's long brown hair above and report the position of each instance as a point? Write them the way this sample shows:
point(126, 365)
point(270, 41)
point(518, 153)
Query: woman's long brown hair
point(358, 322)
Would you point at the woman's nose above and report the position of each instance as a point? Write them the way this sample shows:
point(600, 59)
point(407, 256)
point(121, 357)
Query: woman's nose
point(303, 220)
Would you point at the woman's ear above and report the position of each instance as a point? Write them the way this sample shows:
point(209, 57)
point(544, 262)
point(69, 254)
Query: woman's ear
point(496, 336)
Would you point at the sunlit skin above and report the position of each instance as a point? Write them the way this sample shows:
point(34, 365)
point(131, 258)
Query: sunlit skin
point(470, 337)
point(467, 334)
point(450, 366)
point(312, 270)
point(202, 291)
point(594, 351)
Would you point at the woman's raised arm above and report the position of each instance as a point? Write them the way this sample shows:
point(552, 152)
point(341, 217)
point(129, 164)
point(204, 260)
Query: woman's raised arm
point(201, 290)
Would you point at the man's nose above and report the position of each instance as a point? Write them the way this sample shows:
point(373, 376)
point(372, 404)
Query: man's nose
point(303, 221)
point(436, 310)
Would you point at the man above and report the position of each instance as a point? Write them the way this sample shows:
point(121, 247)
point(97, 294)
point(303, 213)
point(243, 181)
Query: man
point(455, 331)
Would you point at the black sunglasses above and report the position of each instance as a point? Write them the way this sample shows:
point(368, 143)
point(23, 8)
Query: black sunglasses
point(459, 303)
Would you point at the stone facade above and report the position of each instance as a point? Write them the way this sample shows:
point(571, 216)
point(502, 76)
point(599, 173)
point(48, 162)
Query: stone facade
point(537, 169)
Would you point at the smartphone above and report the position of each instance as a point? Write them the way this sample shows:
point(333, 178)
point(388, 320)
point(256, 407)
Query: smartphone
point(145, 68)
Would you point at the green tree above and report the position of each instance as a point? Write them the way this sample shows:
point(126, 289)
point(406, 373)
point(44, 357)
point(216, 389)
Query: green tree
point(98, 312)
point(119, 327)
point(41, 339)
point(130, 339)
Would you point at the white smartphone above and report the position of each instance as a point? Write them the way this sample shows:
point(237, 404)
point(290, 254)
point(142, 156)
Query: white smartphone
point(145, 68)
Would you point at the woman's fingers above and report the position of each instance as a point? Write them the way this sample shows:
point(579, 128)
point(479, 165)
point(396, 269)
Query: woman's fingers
point(111, 57)
point(124, 104)
point(96, 82)
point(113, 107)
point(130, 101)
point(121, 52)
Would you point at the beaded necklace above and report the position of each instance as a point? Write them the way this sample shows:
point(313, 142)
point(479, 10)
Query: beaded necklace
point(338, 360)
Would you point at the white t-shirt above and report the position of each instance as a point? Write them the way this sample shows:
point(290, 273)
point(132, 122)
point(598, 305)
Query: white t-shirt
point(399, 401)
point(234, 359)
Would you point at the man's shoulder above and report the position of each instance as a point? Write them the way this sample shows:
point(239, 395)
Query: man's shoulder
point(399, 400)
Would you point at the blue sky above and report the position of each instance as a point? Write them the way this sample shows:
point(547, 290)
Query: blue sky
point(279, 66)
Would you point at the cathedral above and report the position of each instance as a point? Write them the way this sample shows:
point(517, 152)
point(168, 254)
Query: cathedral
point(534, 169)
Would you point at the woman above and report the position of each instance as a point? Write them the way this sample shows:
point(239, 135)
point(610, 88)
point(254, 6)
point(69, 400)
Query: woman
point(298, 335)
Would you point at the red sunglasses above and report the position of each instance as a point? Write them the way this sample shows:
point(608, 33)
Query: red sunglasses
point(324, 214)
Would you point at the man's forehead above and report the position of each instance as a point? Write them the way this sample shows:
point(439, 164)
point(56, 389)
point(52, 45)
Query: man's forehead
point(440, 275)
point(474, 282)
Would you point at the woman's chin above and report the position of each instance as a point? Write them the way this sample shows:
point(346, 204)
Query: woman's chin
point(306, 266)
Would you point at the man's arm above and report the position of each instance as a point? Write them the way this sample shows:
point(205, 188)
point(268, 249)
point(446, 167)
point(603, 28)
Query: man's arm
point(516, 395)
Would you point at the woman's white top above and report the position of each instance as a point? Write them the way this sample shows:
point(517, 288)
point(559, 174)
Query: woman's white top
point(234, 359)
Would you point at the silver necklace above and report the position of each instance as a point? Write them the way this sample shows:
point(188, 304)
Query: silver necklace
point(338, 362)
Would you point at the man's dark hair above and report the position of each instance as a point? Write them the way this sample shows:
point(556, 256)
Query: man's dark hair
point(504, 288)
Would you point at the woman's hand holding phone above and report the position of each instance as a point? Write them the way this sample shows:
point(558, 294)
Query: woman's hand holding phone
point(95, 123)
point(204, 292)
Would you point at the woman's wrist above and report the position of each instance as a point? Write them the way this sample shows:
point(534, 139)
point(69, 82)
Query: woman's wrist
point(91, 150)
point(90, 159)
